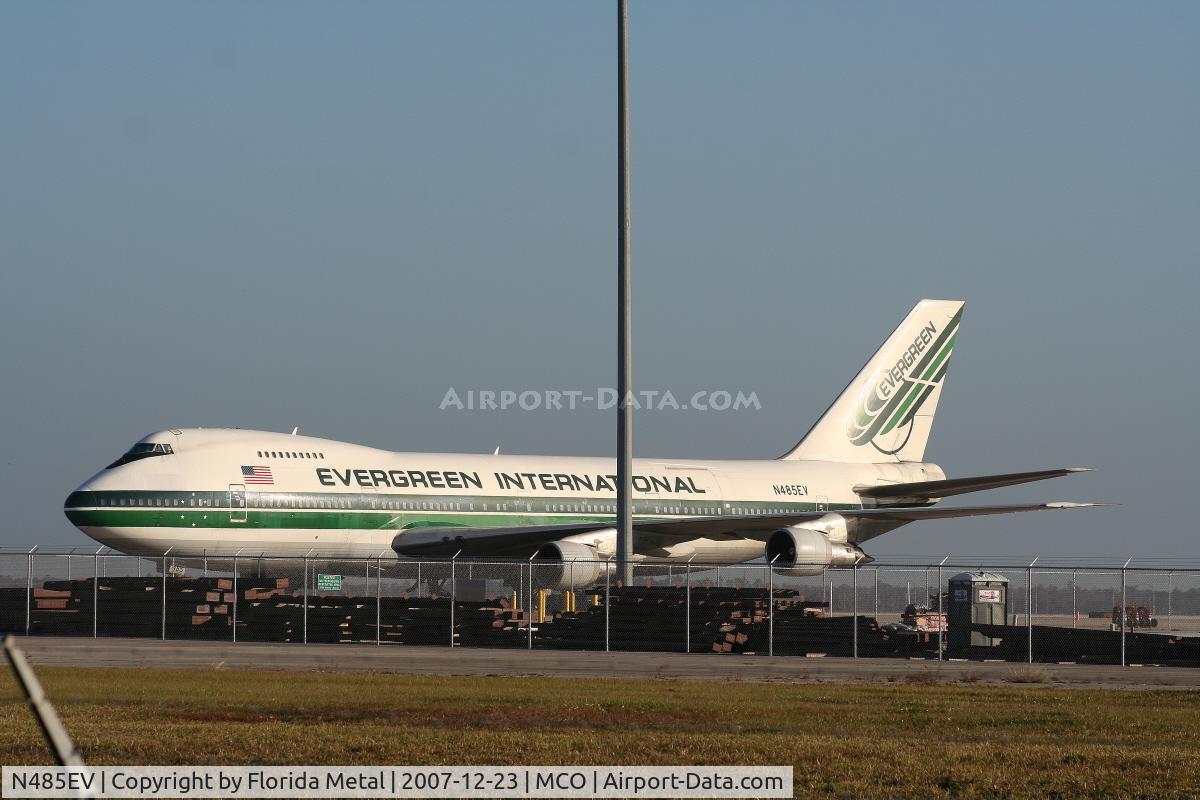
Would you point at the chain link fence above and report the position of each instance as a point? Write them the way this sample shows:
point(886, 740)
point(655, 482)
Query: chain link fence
point(1122, 614)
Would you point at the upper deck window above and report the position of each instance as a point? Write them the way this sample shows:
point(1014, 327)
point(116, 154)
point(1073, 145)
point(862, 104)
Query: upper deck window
point(142, 450)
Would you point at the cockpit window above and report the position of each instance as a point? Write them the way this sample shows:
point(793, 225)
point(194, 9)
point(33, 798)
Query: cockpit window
point(142, 450)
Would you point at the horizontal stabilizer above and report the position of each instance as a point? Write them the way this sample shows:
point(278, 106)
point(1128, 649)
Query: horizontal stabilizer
point(926, 491)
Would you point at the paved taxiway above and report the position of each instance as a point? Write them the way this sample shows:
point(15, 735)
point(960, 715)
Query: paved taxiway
point(149, 653)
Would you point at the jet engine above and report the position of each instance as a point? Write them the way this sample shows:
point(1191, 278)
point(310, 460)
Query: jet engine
point(803, 551)
point(574, 563)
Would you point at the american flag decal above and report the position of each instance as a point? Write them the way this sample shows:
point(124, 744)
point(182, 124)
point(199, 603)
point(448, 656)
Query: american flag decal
point(257, 475)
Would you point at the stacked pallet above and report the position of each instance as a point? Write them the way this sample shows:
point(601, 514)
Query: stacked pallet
point(721, 620)
point(336, 618)
point(659, 618)
point(195, 607)
point(259, 592)
point(277, 615)
point(269, 611)
point(211, 601)
point(492, 623)
point(799, 633)
point(418, 620)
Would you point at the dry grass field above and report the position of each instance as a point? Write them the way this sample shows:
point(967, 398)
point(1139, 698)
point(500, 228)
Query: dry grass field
point(913, 739)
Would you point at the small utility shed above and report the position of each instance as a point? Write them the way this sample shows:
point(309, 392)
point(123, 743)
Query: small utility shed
point(979, 598)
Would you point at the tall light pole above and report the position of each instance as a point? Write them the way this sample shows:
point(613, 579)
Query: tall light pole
point(624, 310)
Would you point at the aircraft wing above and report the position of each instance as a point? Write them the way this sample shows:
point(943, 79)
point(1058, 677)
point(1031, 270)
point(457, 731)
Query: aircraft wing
point(650, 534)
point(926, 491)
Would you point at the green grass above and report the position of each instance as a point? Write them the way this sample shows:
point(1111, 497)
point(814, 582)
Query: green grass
point(906, 740)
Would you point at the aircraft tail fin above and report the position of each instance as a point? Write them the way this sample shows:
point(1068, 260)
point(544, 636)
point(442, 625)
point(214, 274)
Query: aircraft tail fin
point(886, 413)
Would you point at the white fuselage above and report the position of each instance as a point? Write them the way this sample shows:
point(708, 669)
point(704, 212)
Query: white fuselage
point(225, 491)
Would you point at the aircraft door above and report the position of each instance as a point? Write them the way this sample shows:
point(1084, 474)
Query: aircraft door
point(237, 502)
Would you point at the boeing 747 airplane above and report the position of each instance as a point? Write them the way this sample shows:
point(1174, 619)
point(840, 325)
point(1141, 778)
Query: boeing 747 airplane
point(858, 473)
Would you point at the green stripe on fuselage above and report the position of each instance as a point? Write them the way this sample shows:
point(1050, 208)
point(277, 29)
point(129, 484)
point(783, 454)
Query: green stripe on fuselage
point(331, 511)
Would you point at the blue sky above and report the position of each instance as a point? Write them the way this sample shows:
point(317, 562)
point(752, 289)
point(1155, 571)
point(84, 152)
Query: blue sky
point(315, 214)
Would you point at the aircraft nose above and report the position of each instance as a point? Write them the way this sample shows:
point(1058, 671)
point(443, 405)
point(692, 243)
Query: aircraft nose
point(75, 498)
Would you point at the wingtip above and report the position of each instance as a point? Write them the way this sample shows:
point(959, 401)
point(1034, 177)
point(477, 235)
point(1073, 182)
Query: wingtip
point(1067, 504)
point(1079, 469)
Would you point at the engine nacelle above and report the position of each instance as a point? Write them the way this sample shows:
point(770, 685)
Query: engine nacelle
point(803, 551)
point(574, 563)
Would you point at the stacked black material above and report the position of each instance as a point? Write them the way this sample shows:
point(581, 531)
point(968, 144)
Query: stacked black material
point(398, 620)
point(12, 609)
point(720, 620)
point(196, 608)
point(1054, 644)
point(203, 608)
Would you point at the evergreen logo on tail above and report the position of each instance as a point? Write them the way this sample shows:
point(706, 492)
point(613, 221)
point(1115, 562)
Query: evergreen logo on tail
point(894, 394)
point(891, 401)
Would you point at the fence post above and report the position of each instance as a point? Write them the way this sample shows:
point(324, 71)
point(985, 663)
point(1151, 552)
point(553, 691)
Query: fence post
point(1074, 605)
point(877, 594)
point(378, 593)
point(235, 591)
point(687, 616)
point(854, 605)
point(29, 589)
point(304, 598)
point(824, 593)
point(718, 576)
point(941, 612)
point(1029, 609)
point(453, 592)
point(164, 597)
point(607, 599)
point(95, 591)
point(418, 579)
point(1124, 613)
point(529, 627)
point(1170, 588)
point(771, 606)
